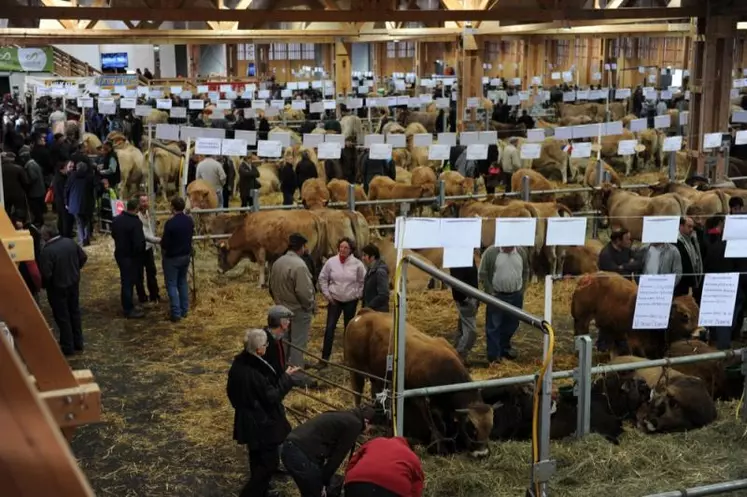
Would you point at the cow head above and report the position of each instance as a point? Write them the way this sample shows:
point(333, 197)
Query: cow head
point(474, 425)
point(623, 393)
point(683, 404)
point(683, 318)
point(599, 200)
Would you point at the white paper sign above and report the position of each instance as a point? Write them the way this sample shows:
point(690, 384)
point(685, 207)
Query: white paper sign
point(425, 98)
point(712, 140)
point(469, 138)
point(464, 232)
point(269, 148)
point(597, 76)
point(515, 231)
point(259, 104)
point(736, 249)
point(370, 140)
point(672, 144)
point(535, 135)
point(339, 139)
point(127, 103)
point(143, 110)
point(555, 76)
point(739, 116)
point(531, 150)
point(513, 100)
point(580, 150)
point(458, 257)
point(329, 150)
point(280, 136)
point(735, 227)
point(564, 133)
point(195, 104)
point(439, 152)
point(417, 233)
point(208, 146)
point(653, 302)
point(178, 112)
point(660, 229)
point(250, 137)
point(638, 125)
point(298, 105)
point(684, 118)
point(380, 151)
point(167, 132)
point(488, 137)
point(422, 139)
point(447, 139)
point(622, 93)
point(626, 147)
point(569, 96)
point(107, 106)
point(85, 102)
point(566, 231)
point(234, 148)
point(662, 121)
point(442, 103)
point(477, 151)
point(473, 102)
point(396, 140)
point(718, 298)
point(741, 138)
point(311, 140)
point(224, 104)
point(163, 103)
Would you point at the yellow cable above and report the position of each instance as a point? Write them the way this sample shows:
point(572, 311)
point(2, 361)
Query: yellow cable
point(547, 328)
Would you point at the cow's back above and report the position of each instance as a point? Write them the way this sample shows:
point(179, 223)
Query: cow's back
point(270, 231)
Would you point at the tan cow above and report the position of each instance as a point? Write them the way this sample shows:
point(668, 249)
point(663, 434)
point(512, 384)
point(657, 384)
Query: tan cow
point(591, 178)
point(338, 192)
point(269, 181)
point(403, 176)
point(609, 147)
point(486, 210)
point(710, 202)
point(166, 166)
point(429, 362)
point(713, 373)
point(626, 209)
point(582, 260)
point(201, 195)
point(456, 184)
point(609, 300)
point(537, 182)
point(653, 140)
point(90, 144)
point(417, 280)
point(384, 188)
point(314, 194)
point(263, 237)
point(553, 161)
point(132, 166)
point(340, 224)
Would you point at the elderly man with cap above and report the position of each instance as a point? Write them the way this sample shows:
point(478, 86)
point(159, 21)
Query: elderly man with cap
point(291, 285)
point(278, 322)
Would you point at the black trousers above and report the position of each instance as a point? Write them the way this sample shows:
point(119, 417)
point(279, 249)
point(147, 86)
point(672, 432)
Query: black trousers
point(361, 489)
point(305, 473)
point(506, 180)
point(247, 201)
point(226, 196)
point(66, 311)
point(347, 309)
point(129, 272)
point(65, 222)
point(37, 207)
point(262, 464)
point(149, 268)
point(288, 198)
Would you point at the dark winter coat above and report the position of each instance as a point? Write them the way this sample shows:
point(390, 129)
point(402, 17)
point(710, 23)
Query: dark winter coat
point(305, 169)
point(15, 183)
point(256, 394)
point(376, 287)
point(288, 179)
point(248, 179)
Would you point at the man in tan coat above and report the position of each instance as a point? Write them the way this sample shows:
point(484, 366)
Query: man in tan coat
point(510, 162)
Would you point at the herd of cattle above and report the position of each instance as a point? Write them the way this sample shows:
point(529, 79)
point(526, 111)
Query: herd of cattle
point(655, 399)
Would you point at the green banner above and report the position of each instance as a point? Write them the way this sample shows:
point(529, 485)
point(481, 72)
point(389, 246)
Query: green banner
point(26, 59)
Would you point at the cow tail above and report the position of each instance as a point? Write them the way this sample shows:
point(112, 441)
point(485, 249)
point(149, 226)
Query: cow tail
point(563, 210)
point(683, 204)
point(724, 201)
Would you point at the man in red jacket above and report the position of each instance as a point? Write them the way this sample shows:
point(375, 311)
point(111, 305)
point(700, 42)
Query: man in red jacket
point(384, 467)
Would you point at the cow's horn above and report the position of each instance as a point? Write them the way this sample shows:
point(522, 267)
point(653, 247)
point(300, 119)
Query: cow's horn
point(461, 411)
point(497, 405)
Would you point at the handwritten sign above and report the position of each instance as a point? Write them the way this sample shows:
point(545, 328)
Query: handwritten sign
point(380, 151)
point(311, 140)
point(515, 231)
point(535, 135)
point(329, 150)
point(531, 150)
point(566, 231)
point(163, 103)
point(663, 122)
point(581, 150)
point(712, 140)
point(370, 140)
point(269, 148)
point(447, 139)
point(422, 139)
point(396, 140)
point(741, 138)
point(167, 132)
point(626, 147)
point(196, 104)
point(718, 298)
point(208, 146)
point(653, 302)
point(250, 137)
point(469, 138)
point(735, 227)
point(127, 103)
point(672, 144)
point(234, 148)
point(143, 110)
point(439, 151)
point(178, 112)
point(660, 229)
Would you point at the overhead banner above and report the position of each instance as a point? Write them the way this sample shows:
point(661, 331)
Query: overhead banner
point(26, 59)
point(118, 80)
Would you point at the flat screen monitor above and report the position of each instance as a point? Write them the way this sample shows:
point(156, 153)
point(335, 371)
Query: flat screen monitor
point(114, 60)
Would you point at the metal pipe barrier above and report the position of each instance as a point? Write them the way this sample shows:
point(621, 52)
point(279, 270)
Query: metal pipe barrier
point(713, 489)
point(542, 466)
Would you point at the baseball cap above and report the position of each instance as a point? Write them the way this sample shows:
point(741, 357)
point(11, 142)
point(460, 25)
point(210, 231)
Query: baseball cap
point(276, 313)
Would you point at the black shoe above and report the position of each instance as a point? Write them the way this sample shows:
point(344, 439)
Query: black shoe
point(68, 353)
point(135, 314)
point(79, 349)
point(175, 319)
point(510, 354)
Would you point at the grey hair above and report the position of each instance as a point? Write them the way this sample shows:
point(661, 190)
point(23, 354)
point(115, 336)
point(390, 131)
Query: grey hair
point(254, 339)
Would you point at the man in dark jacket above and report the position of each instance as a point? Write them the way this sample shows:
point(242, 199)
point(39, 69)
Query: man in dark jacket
point(129, 250)
point(305, 170)
point(618, 257)
point(374, 167)
point(467, 308)
point(376, 282)
point(176, 248)
point(256, 391)
point(288, 183)
point(42, 155)
point(61, 260)
point(692, 261)
point(526, 120)
point(36, 187)
point(314, 450)
point(248, 181)
point(15, 184)
point(278, 322)
point(230, 180)
point(349, 160)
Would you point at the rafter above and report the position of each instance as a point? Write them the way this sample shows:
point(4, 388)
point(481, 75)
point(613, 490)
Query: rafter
point(67, 24)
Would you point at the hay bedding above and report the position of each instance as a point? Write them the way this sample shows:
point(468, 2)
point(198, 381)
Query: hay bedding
point(167, 423)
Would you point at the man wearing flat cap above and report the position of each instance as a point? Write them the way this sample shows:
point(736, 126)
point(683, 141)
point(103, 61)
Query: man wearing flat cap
point(278, 323)
point(291, 286)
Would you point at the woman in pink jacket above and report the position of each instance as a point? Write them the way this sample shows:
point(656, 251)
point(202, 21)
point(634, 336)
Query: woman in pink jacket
point(341, 282)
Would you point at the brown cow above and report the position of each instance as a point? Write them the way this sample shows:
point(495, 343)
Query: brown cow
point(424, 177)
point(678, 402)
point(314, 193)
point(456, 184)
point(582, 260)
point(713, 373)
point(429, 362)
point(338, 192)
point(626, 209)
point(416, 279)
point(338, 224)
point(710, 203)
point(536, 182)
point(609, 300)
point(591, 178)
point(201, 195)
point(263, 237)
point(486, 210)
point(384, 188)
point(553, 161)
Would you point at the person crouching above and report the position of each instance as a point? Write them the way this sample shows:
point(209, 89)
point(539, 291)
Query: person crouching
point(384, 467)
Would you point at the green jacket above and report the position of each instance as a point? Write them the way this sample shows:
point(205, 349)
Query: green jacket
point(487, 268)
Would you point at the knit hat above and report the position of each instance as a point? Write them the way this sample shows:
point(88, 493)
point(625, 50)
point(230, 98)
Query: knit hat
point(276, 313)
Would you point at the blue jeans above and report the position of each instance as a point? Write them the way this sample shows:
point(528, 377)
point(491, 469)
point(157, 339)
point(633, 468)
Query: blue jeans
point(84, 233)
point(219, 193)
point(500, 326)
point(175, 273)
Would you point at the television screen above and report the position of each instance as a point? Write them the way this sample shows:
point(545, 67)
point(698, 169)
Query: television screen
point(114, 60)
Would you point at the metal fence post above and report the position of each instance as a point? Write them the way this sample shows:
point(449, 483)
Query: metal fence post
point(672, 165)
point(525, 188)
point(255, 200)
point(582, 387)
point(726, 144)
point(441, 200)
point(401, 345)
point(606, 177)
point(600, 173)
point(404, 209)
point(744, 391)
point(351, 197)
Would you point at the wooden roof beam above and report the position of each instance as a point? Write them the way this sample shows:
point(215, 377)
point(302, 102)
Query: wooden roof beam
point(519, 14)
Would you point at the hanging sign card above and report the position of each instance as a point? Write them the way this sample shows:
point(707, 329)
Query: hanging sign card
point(653, 302)
point(660, 229)
point(515, 231)
point(718, 298)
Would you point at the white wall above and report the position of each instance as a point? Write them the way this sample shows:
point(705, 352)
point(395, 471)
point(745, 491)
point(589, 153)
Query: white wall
point(212, 60)
point(168, 61)
point(359, 59)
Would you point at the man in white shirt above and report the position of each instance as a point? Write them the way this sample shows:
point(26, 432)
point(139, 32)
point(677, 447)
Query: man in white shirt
point(211, 171)
point(510, 162)
point(149, 262)
point(661, 108)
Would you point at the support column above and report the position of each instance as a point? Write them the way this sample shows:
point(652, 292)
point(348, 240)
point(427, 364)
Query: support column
point(713, 57)
point(193, 61)
point(342, 68)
